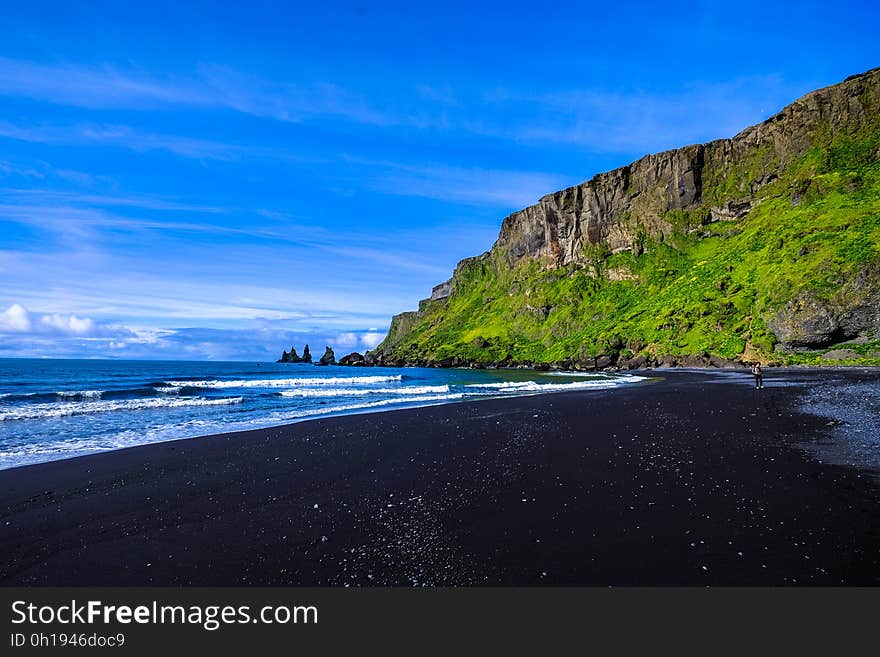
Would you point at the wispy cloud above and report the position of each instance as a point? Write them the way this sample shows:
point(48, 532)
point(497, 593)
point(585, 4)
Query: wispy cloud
point(287, 101)
point(210, 86)
point(205, 288)
point(57, 197)
point(93, 219)
point(10, 169)
point(93, 87)
point(636, 120)
point(84, 134)
point(83, 222)
point(476, 185)
point(47, 173)
point(629, 120)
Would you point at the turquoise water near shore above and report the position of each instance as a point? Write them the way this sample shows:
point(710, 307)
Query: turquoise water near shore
point(54, 409)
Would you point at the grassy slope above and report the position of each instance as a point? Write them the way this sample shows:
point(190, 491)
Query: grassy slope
point(700, 288)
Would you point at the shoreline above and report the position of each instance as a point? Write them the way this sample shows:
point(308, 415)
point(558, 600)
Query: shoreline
point(361, 410)
point(638, 485)
point(642, 373)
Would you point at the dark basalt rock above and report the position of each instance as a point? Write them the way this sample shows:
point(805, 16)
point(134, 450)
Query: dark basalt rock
point(805, 321)
point(634, 363)
point(854, 311)
point(289, 357)
point(353, 359)
point(858, 304)
point(293, 357)
point(716, 361)
point(329, 358)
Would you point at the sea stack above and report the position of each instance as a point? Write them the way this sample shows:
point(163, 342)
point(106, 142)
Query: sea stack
point(329, 358)
point(293, 357)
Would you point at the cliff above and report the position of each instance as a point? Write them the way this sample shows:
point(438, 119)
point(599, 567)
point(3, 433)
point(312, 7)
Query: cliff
point(763, 246)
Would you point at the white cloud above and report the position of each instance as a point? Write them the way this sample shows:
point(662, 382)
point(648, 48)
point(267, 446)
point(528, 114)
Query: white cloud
point(15, 318)
point(371, 339)
point(346, 339)
point(352, 339)
point(69, 324)
point(18, 319)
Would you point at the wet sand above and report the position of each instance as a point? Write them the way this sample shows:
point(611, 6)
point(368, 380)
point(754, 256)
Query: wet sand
point(693, 479)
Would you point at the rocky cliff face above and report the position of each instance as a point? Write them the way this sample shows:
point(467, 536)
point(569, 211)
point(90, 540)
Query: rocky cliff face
point(797, 156)
point(615, 208)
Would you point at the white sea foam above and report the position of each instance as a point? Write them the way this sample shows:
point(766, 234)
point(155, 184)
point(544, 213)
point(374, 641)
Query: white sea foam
point(374, 404)
point(533, 386)
point(65, 409)
point(167, 390)
point(35, 453)
point(79, 394)
point(54, 449)
point(286, 383)
point(345, 392)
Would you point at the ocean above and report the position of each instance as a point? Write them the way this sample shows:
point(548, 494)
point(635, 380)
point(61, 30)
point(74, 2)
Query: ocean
point(55, 409)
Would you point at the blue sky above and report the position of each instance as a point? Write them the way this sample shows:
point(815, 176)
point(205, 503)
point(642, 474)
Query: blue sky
point(224, 181)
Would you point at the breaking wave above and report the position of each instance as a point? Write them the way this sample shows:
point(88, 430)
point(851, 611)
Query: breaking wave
point(284, 383)
point(533, 386)
point(66, 409)
point(345, 392)
point(80, 394)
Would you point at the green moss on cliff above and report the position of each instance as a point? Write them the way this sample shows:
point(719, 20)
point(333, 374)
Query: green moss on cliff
point(701, 288)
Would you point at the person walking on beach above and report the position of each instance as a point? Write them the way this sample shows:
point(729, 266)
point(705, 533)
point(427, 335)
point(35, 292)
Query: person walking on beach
point(759, 376)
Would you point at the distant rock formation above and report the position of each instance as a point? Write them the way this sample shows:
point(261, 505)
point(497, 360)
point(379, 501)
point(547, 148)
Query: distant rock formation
point(293, 357)
point(329, 358)
point(353, 359)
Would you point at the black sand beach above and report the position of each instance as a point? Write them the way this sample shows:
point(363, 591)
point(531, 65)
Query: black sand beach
point(694, 479)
